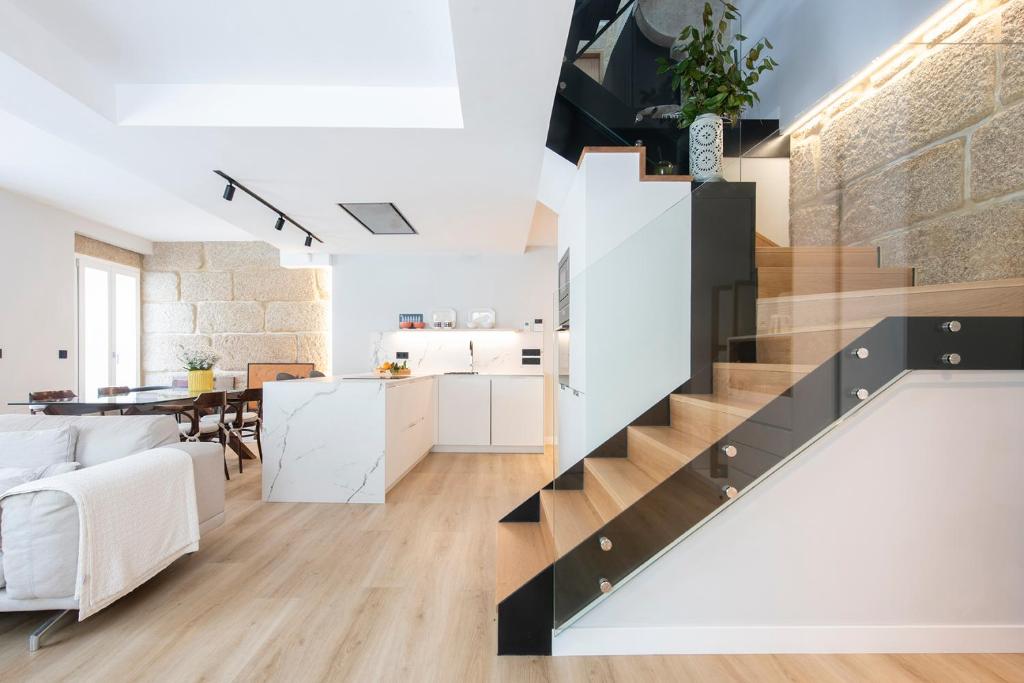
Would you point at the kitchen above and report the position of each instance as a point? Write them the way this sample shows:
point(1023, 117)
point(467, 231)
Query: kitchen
point(454, 388)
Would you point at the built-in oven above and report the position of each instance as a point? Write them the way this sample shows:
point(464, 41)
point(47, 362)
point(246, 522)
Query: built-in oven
point(563, 292)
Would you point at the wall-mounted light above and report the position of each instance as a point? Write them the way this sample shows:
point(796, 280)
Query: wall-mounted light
point(282, 217)
point(951, 14)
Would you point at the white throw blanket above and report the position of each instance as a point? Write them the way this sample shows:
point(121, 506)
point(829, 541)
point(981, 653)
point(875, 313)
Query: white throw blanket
point(136, 515)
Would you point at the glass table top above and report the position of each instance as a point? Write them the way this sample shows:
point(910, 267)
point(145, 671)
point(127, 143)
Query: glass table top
point(137, 398)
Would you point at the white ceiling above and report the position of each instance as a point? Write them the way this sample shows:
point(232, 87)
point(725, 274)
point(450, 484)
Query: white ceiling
point(442, 110)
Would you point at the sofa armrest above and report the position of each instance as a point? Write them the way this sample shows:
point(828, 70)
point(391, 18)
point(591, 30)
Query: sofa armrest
point(208, 468)
point(40, 545)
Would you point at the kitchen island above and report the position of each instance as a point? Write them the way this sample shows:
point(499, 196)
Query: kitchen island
point(349, 439)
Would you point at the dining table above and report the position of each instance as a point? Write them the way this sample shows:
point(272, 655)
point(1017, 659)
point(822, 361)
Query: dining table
point(131, 403)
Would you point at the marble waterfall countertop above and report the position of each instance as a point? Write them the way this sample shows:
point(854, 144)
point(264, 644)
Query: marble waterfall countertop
point(326, 439)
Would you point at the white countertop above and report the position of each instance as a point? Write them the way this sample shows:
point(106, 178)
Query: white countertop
point(414, 378)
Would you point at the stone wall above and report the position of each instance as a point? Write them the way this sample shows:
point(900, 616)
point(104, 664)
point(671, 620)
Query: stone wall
point(233, 298)
point(924, 158)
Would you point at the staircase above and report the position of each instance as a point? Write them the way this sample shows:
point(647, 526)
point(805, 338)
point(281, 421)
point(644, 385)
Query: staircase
point(812, 304)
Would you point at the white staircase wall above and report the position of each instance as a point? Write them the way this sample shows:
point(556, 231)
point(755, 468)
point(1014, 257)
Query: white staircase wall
point(902, 530)
point(630, 297)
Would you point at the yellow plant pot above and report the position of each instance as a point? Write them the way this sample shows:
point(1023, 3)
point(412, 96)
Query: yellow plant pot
point(200, 381)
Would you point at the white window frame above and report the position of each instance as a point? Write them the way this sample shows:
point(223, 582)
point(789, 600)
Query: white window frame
point(113, 269)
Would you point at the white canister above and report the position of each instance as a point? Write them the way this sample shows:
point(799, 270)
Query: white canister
point(707, 136)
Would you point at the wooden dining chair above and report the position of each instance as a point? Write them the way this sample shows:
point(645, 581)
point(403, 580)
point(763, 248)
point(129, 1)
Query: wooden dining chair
point(242, 421)
point(192, 425)
point(112, 391)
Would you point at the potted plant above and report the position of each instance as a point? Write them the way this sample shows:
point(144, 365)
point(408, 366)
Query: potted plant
point(714, 82)
point(199, 364)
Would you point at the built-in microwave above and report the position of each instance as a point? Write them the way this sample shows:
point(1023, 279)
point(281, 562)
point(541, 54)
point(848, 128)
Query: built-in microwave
point(563, 292)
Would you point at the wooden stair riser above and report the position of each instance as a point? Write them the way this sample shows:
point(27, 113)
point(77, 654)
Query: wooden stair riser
point(790, 257)
point(990, 299)
point(775, 282)
point(708, 423)
point(523, 550)
point(600, 498)
point(568, 518)
point(744, 379)
point(805, 348)
point(658, 462)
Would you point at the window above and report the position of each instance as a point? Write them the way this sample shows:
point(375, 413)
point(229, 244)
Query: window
point(108, 325)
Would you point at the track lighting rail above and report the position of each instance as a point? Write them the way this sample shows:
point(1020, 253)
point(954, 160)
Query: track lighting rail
point(281, 215)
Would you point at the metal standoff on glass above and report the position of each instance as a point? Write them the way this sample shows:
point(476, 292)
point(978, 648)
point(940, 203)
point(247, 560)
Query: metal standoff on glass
point(605, 585)
point(860, 352)
point(952, 326)
point(606, 543)
point(729, 450)
point(951, 359)
point(561, 85)
point(860, 393)
point(729, 491)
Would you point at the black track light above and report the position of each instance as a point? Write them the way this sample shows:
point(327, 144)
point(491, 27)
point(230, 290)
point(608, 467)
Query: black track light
point(309, 240)
point(229, 192)
point(279, 225)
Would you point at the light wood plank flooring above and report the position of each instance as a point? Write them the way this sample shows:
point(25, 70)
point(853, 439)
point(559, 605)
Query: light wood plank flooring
point(402, 592)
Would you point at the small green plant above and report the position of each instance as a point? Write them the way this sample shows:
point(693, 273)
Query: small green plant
point(711, 76)
point(196, 359)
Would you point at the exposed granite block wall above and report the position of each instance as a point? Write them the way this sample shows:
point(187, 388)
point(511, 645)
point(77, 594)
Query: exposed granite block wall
point(233, 298)
point(925, 159)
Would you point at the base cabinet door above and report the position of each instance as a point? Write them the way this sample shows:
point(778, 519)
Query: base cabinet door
point(517, 411)
point(464, 411)
point(410, 427)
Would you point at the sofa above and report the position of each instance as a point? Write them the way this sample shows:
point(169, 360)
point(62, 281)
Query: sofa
point(39, 531)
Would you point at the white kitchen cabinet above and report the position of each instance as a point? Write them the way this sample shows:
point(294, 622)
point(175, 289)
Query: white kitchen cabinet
point(410, 413)
point(464, 410)
point(517, 411)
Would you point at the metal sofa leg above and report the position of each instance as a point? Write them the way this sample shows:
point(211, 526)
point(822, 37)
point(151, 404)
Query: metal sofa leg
point(51, 624)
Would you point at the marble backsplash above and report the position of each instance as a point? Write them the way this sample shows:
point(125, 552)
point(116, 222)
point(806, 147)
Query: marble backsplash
point(436, 352)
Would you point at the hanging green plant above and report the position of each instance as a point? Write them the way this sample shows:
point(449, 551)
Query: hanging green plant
point(711, 75)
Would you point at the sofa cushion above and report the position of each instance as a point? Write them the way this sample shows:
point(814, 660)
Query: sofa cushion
point(14, 476)
point(40, 536)
point(103, 438)
point(37, 447)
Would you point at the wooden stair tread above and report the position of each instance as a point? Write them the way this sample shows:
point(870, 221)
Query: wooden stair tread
point(807, 256)
point(740, 407)
point(620, 481)
point(680, 446)
point(569, 518)
point(523, 550)
point(987, 298)
point(775, 282)
point(908, 291)
point(750, 382)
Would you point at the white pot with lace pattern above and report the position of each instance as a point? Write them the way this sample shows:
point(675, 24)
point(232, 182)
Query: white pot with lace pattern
point(707, 135)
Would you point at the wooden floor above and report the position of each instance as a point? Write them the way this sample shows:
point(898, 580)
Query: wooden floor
point(400, 592)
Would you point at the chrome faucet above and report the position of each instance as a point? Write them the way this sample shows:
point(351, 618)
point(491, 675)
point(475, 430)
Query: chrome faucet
point(472, 358)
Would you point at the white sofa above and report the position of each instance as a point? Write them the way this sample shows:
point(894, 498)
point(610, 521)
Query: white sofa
point(39, 531)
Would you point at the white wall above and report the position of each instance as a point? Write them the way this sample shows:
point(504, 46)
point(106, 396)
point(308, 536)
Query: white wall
point(629, 247)
point(899, 531)
point(38, 294)
point(371, 291)
point(820, 44)
point(772, 206)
